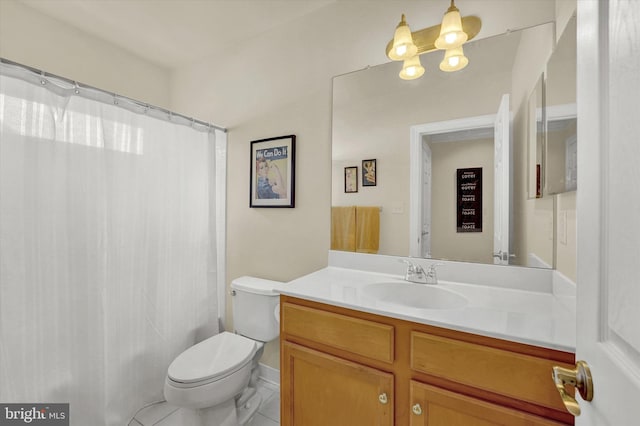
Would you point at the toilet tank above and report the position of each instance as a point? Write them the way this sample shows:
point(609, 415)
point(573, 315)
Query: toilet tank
point(256, 307)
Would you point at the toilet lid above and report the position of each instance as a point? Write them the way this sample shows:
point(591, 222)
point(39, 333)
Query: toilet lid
point(215, 357)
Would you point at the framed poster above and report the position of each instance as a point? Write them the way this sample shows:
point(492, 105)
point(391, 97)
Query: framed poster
point(469, 199)
point(272, 182)
point(369, 173)
point(351, 179)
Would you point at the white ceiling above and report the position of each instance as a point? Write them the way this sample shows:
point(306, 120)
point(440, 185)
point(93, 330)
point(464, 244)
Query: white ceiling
point(171, 33)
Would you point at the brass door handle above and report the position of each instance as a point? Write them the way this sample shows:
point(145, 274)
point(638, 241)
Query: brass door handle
point(579, 378)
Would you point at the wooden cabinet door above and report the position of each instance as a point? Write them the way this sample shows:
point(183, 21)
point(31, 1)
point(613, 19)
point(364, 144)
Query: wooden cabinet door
point(433, 406)
point(318, 389)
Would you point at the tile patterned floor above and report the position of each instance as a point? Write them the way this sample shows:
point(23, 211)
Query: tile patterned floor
point(269, 412)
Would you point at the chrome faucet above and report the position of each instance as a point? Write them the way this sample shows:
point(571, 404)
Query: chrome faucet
point(431, 275)
point(414, 273)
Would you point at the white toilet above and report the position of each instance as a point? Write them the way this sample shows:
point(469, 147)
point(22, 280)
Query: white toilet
point(218, 375)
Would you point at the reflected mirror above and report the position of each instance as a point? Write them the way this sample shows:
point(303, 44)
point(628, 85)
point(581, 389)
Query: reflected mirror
point(536, 136)
point(561, 113)
point(427, 134)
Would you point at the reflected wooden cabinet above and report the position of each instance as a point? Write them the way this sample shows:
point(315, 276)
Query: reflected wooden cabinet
point(346, 367)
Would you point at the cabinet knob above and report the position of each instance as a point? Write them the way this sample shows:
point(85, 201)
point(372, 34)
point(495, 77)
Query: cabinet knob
point(383, 398)
point(417, 409)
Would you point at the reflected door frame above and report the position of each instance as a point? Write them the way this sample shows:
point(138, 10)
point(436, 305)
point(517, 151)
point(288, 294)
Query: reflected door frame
point(425, 243)
point(416, 172)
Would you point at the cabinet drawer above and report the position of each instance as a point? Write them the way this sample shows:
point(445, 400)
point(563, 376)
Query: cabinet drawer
point(500, 371)
point(432, 406)
point(361, 337)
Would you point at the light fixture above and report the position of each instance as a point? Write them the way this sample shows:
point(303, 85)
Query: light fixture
point(449, 36)
point(454, 60)
point(412, 68)
point(403, 47)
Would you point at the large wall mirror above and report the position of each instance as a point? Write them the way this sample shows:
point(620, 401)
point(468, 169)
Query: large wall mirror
point(425, 134)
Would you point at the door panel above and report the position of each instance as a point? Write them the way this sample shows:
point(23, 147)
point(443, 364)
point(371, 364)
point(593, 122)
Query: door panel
point(608, 203)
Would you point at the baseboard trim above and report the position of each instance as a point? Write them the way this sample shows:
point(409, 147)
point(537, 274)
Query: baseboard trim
point(269, 374)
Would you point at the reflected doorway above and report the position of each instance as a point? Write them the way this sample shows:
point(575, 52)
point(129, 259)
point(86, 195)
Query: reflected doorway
point(428, 148)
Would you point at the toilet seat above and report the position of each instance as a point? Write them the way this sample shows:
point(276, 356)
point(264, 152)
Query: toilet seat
point(211, 360)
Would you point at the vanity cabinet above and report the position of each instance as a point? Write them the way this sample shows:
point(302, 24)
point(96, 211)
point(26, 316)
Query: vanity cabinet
point(346, 367)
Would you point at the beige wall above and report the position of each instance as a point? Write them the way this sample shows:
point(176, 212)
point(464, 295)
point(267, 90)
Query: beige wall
point(278, 84)
point(31, 38)
point(446, 242)
point(275, 84)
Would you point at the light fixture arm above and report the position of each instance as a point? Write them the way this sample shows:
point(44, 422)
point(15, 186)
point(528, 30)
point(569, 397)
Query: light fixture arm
point(424, 39)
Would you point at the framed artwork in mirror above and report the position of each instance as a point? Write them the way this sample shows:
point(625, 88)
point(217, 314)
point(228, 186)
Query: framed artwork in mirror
point(351, 179)
point(272, 182)
point(369, 173)
point(469, 199)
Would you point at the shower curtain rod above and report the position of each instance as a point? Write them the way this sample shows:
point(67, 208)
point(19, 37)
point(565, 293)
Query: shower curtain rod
point(75, 85)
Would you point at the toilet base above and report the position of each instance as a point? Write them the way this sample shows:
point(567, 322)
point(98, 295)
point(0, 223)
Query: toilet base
point(224, 414)
point(228, 414)
point(246, 411)
point(246, 406)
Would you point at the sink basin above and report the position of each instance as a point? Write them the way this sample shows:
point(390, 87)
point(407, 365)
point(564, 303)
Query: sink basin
point(416, 296)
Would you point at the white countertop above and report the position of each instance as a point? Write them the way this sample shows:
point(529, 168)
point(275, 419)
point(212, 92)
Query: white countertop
point(532, 317)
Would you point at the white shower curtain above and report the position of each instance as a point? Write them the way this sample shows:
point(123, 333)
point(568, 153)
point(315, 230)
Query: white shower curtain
point(107, 248)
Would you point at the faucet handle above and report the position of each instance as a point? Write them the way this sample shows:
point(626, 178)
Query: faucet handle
point(411, 267)
point(432, 276)
point(432, 267)
point(414, 272)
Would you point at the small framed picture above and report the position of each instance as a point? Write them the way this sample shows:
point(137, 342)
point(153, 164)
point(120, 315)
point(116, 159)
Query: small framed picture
point(351, 179)
point(272, 182)
point(369, 173)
